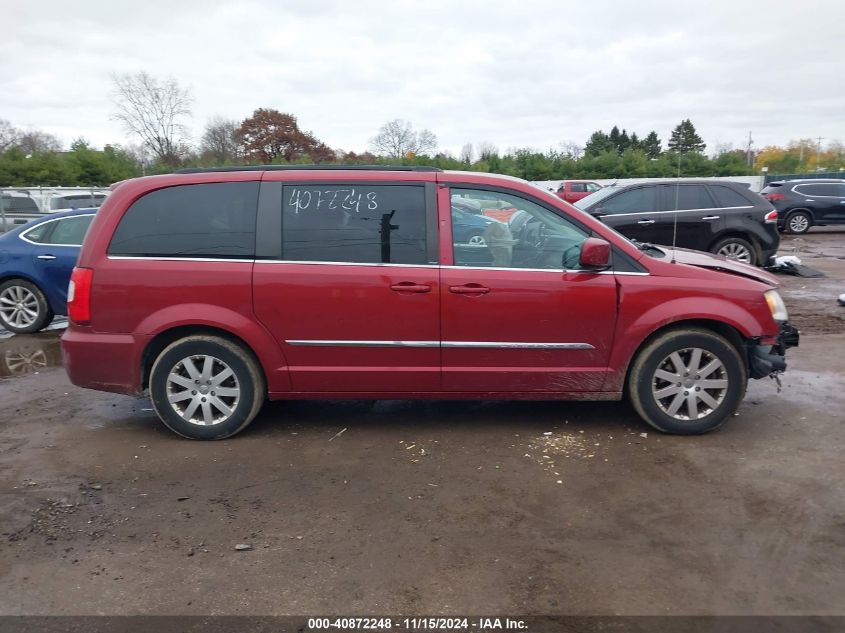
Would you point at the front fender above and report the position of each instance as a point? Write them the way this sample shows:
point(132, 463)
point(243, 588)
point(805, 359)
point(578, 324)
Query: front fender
point(631, 334)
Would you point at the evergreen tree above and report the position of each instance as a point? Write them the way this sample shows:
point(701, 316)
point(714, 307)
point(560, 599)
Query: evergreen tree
point(636, 144)
point(598, 142)
point(651, 145)
point(685, 139)
point(614, 138)
point(624, 142)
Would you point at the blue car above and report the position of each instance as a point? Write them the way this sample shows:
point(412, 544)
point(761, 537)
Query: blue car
point(468, 225)
point(36, 261)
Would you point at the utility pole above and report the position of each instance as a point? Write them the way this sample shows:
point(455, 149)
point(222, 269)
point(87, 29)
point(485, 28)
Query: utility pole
point(748, 151)
point(818, 152)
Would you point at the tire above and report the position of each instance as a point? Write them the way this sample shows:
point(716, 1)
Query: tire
point(205, 413)
point(798, 222)
point(654, 365)
point(737, 249)
point(477, 239)
point(23, 307)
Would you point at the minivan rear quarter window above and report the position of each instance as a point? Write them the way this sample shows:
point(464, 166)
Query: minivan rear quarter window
point(352, 223)
point(214, 220)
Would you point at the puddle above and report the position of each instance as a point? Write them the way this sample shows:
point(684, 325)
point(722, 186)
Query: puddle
point(22, 354)
point(59, 323)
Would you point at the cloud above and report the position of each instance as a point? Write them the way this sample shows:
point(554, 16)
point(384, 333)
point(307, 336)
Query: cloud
point(521, 74)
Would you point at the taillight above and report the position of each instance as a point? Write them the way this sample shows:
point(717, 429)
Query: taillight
point(79, 296)
point(774, 197)
point(771, 217)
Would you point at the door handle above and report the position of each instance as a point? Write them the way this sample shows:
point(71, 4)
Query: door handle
point(469, 289)
point(46, 257)
point(710, 217)
point(646, 222)
point(410, 286)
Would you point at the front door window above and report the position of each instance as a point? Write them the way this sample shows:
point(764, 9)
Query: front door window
point(531, 237)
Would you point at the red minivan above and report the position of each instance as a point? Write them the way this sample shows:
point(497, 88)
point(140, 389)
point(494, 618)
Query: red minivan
point(217, 289)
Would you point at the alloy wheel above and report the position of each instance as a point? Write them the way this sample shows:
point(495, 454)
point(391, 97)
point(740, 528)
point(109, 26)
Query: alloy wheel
point(799, 223)
point(18, 306)
point(203, 390)
point(737, 252)
point(690, 384)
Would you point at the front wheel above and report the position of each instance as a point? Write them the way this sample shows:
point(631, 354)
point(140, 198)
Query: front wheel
point(206, 387)
point(23, 307)
point(737, 249)
point(687, 381)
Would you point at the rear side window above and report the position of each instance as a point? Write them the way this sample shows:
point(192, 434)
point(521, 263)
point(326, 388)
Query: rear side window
point(71, 231)
point(687, 197)
point(579, 187)
point(206, 220)
point(821, 189)
point(77, 202)
point(19, 204)
point(39, 233)
point(727, 197)
point(642, 199)
point(363, 224)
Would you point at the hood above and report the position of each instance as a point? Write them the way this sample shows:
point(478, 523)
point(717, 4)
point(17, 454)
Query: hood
point(721, 264)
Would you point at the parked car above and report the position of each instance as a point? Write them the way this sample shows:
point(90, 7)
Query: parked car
point(216, 289)
point(723, 217)
point(802, 204)
point(468, 224)
point(16, 209)
point(574, 190)
point(36, 261)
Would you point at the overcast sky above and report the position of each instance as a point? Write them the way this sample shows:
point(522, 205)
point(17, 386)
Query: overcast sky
point(515, 74)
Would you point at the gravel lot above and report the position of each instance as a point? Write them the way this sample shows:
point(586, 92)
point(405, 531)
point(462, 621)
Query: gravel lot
point(431, 508)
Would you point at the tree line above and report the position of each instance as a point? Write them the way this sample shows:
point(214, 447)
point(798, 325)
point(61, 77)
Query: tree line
point(155, 113)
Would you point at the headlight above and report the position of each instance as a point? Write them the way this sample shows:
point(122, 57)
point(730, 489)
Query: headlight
point(776, 305)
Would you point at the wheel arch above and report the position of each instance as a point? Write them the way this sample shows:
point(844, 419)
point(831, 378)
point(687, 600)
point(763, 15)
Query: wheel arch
point(726, 330)
point(161, 340)
point(10, 276)
point(748, 237)
point(806, 210)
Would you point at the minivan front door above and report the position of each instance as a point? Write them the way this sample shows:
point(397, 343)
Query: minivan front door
point(522, 318)
point(347, 282)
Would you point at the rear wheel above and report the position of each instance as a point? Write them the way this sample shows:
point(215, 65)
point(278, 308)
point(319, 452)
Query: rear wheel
point(737, 249)
point(23, 307)
point(206, 387)
point(687, 381)
point(798, 222)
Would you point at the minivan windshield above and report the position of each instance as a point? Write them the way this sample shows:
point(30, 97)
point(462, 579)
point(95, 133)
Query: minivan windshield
point(601, 194)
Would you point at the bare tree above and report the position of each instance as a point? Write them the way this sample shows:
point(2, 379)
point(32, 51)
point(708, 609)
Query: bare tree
point(467, 153)
point(9, 135)
point(397, 138)
point(486, 149)
point(572, 149)
point(36, 141)
point(154, 111)
point(220, 141)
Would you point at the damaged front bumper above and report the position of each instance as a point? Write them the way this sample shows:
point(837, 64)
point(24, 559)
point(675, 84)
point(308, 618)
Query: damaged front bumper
point(770, 359)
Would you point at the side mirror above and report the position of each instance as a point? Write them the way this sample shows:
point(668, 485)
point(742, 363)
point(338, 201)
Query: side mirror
point(597, 212)
point(595, 254)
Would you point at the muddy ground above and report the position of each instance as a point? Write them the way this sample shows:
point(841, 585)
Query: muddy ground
point(431, 508)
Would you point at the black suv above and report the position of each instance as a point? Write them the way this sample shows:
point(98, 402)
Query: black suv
point(720, 217)
point(805, 203)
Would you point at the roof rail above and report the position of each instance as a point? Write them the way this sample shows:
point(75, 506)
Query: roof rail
point(199, 170)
